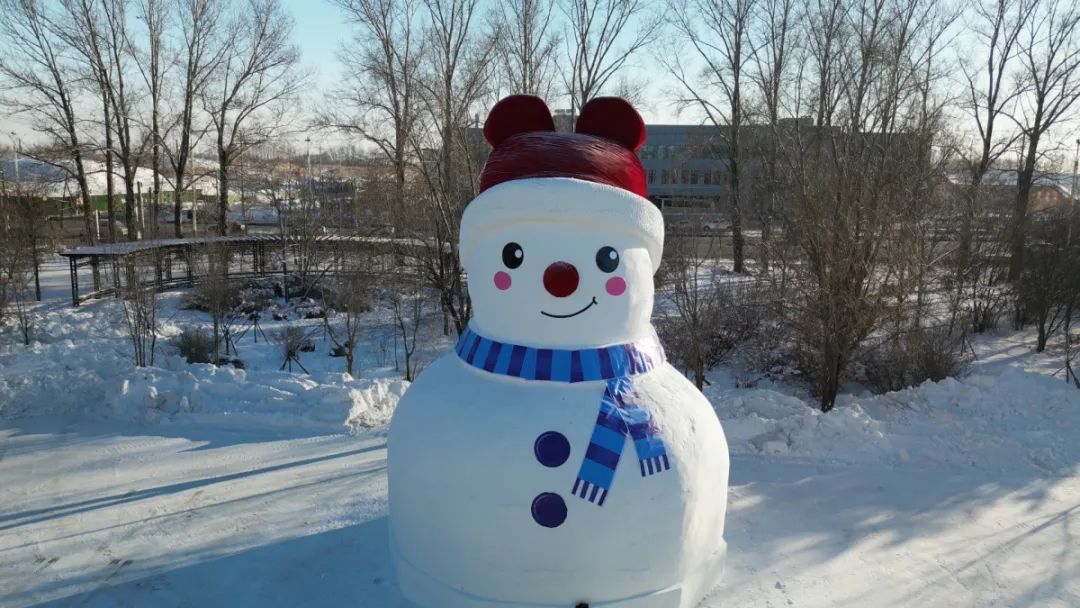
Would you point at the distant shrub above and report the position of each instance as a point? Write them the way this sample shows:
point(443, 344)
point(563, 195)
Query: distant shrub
point(293, 340)
point(344, 294)
point(707, 324)
point(195, 345)
point(255, 299)
point(310, 309)
point(210, 296)
point(911, 358)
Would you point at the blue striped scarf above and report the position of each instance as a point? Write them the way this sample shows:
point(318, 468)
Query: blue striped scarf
point(619, 417)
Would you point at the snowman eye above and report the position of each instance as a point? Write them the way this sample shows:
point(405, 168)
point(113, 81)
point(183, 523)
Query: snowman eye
point(512, 255)
point(607, 259)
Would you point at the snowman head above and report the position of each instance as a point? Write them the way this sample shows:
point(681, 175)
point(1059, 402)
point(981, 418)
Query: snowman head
point(561, 244)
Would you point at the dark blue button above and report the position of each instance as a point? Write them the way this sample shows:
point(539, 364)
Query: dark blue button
point(549, 510)
point(551, 449)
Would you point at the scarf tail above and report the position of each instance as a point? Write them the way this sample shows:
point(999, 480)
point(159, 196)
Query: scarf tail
point(618, 420)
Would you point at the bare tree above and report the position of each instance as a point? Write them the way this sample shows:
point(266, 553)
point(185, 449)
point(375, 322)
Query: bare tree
point(708, 318)
point(292, 340)
point(825, 36)
point(379, 99)
point(458, 76)
point(1072, 352)
point(408, 302)
point(153, 66)
point(602, 36)
point(851, 178)
point(350, 299)
point(25, 219)
point(23, 309)
point(279, 181)
point(201, 50)
point(527, 46)
point(37, 66)
point(16, 267)
point(217, 294)
point(718, 31)
point(22, 214)
point(138, 297)
point(249, 98)
point(1050, 281)
point(771, 68)
point(128, 136)
point(990, 93)
point(307, 225)
point(1050, 55)
point(88, 36)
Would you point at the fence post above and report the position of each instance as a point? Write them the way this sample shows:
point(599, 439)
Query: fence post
point(74, 264)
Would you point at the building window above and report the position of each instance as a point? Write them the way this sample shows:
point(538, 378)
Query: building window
point(684, 177)
point(663, 176)
point(652, 176)
point(694, 177)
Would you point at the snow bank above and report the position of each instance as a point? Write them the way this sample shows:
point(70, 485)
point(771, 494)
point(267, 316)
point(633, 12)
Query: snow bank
point(80, 364)
point(1000, 418)
point(321, 401)
point(61, 371)
point(1011, 420)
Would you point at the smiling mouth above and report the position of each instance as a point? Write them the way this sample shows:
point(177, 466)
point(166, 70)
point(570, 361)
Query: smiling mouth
point(573, 314)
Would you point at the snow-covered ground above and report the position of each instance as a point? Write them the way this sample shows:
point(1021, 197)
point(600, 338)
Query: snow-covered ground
point(187, 485)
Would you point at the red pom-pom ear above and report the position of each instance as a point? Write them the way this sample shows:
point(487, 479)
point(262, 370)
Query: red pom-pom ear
point(612, 118)
point(517, 114)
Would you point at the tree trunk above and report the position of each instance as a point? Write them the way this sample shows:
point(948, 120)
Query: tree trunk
point(830, 383)
point(967, 220)
point(1020, 208)
point(178, 199)
point(155, 128)
point(734, 202)
point(129, 203)
point(84, 192)
point(110, 191)
point(223, 195)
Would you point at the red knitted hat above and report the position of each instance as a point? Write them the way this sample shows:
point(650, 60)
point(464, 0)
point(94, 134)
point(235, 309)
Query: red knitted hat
point(535, 175)
point(603, 149)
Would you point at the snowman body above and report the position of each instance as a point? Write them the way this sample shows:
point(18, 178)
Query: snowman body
point(489, 447)
point(466, 474)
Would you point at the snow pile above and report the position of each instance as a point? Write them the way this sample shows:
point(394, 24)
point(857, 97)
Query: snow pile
point(1011, 420)
point(80, 364)
point(324, 400)
point(375, 404)
point(61, 370)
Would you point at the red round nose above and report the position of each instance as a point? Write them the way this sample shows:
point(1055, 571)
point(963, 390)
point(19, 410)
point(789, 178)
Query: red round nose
point(561, 279)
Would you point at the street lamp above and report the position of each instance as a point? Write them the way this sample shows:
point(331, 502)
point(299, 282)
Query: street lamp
point(15, 152)
point(310, 176)
point(1076, 172)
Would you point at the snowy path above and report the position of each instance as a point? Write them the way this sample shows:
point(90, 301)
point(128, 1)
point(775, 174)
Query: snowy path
point(120, 515)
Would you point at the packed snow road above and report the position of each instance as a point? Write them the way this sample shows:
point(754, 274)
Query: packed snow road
point(116, 514)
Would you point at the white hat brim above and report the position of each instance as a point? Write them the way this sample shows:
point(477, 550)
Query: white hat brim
point(562, 200)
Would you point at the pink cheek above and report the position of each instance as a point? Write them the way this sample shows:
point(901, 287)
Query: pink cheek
point(616, 286)
point(502, 280)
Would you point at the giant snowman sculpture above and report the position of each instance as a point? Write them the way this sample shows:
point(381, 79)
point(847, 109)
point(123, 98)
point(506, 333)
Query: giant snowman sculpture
point(555, 458)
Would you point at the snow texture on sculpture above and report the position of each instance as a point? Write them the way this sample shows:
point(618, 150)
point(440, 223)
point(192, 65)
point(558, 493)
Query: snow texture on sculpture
point(555, 458)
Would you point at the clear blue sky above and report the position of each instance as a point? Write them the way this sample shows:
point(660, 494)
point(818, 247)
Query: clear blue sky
point(320, 31)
